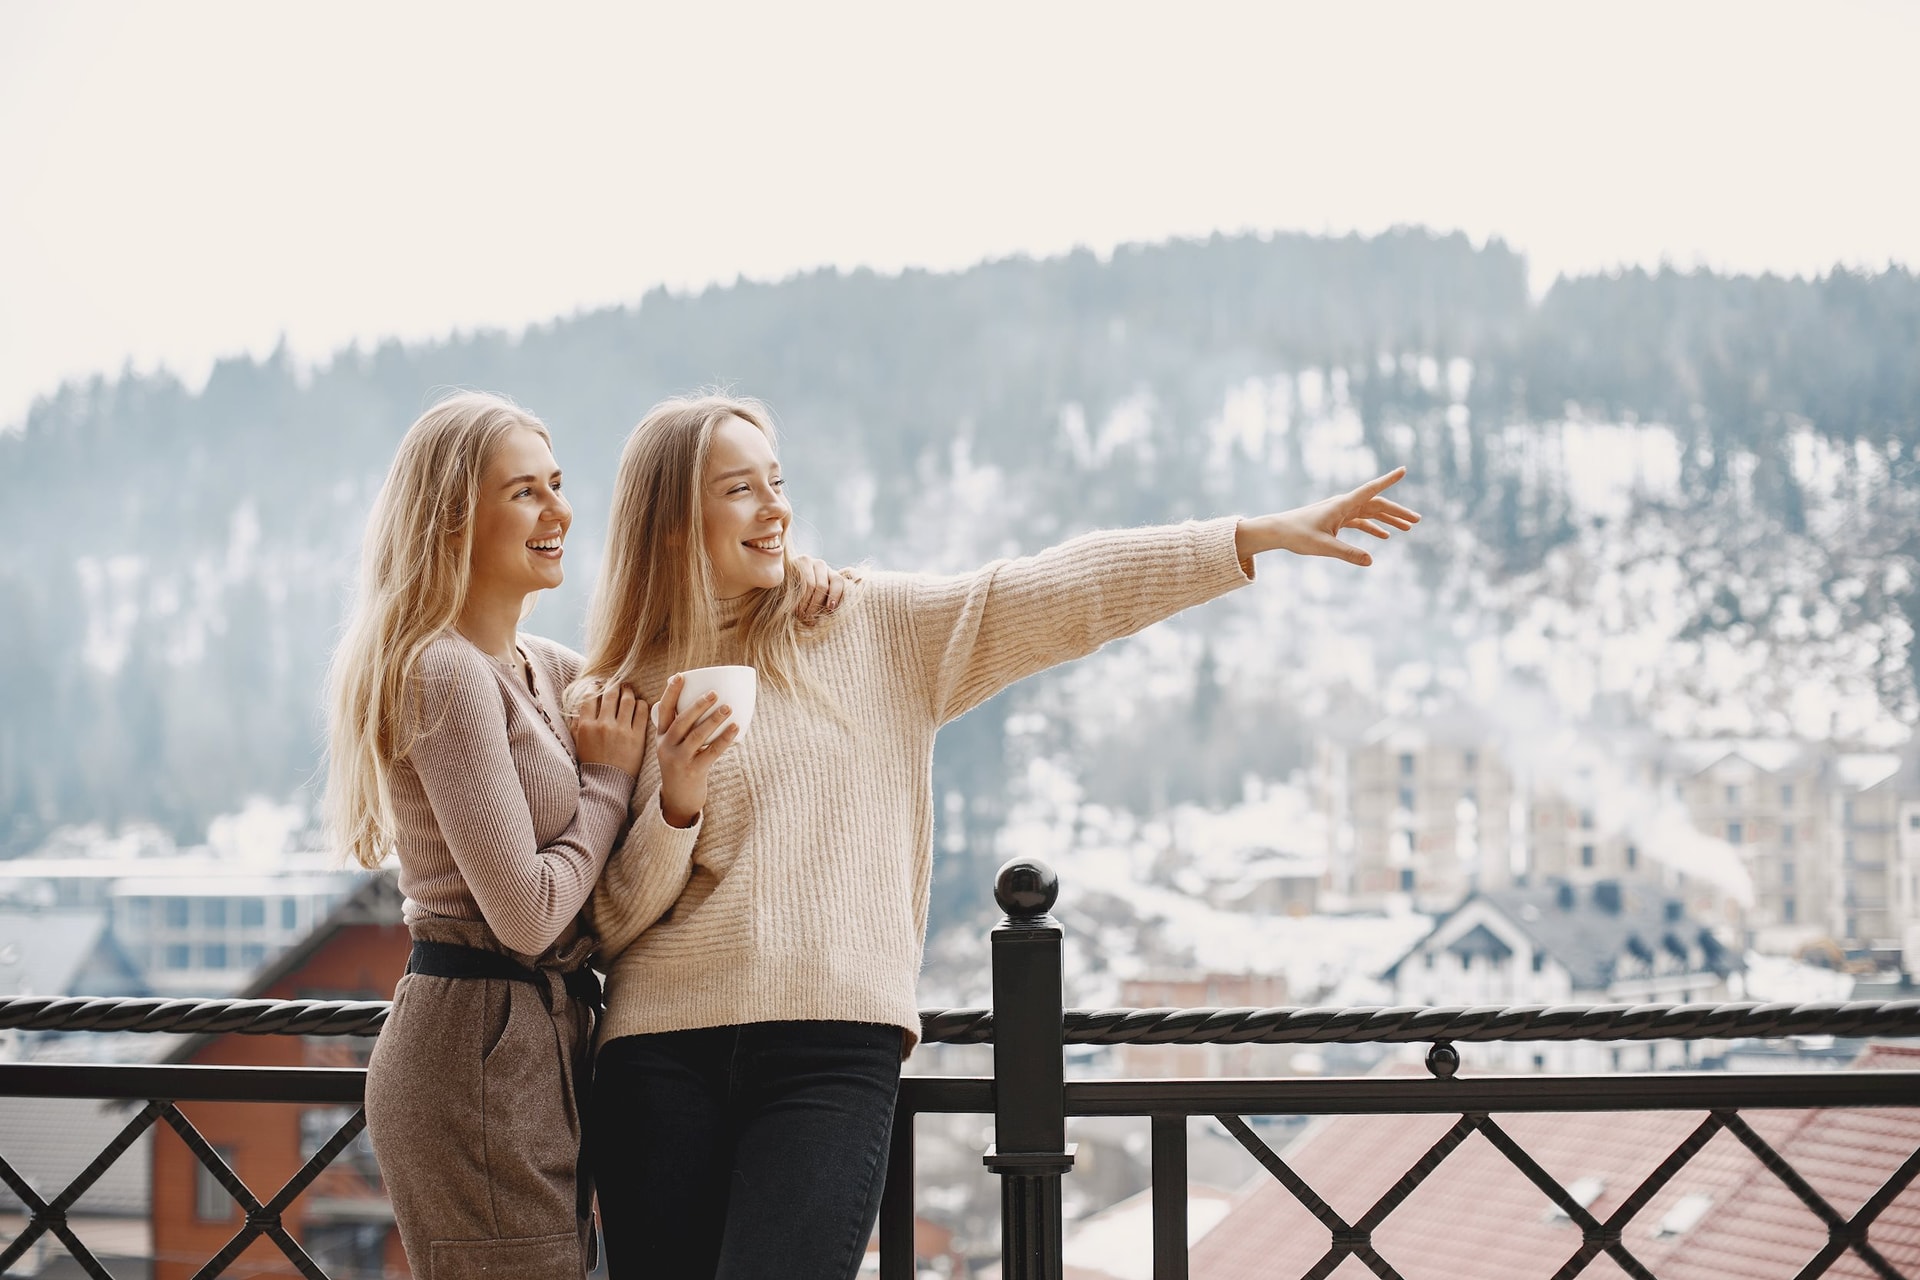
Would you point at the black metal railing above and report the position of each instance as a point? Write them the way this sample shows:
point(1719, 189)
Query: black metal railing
point(1030, 1101)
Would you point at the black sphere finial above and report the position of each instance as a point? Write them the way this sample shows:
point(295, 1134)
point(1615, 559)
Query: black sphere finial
point(1026, 888)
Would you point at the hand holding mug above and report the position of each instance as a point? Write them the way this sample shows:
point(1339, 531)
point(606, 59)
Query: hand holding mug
point(693, 727)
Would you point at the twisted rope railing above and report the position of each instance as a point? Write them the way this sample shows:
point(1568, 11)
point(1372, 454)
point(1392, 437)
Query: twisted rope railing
point(197, 1017)
point(1402, 1024)
point(1396, 1025)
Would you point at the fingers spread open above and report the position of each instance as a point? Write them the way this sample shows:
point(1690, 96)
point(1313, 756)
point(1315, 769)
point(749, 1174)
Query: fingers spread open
point(1385, 507)
point(1367, 526)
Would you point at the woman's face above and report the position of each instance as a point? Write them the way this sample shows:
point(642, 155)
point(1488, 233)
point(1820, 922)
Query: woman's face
point(520, 520)
point(743, 510)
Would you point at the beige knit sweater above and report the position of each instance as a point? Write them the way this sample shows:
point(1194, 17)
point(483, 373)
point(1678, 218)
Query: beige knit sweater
point(801, 892)
point(496, 822)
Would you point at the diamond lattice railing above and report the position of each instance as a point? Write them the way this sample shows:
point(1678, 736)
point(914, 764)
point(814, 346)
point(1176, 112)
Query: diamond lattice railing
point(1355, 1239)
point(262, 1219)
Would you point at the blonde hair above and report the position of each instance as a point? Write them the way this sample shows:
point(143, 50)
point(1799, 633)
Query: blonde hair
point(655, 597)
point(415, 567)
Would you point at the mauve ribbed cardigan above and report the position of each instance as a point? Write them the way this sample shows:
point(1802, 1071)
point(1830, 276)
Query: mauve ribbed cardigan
point(496, 822)
point(801, 893)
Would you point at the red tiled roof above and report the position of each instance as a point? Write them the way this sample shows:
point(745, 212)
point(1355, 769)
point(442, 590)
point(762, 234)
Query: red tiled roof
point(1477, 1217)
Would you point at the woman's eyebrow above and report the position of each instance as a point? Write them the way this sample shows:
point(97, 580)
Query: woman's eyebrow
point(529, 478)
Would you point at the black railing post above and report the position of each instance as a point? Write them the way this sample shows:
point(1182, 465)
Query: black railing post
point(1030, 1151)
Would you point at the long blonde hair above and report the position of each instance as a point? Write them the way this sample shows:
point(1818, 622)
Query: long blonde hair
point(415, 567)
point(655, 597)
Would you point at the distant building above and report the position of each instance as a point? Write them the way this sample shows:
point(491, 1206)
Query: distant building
point(61, 952)
point(193, 923)
point(1723, 1216)
point(48, 1141)
point(1429, 809)
point(1201, 991)
point(1769, 799)
point(1562, 943)
point(1873, 792)
point(1417, 807)
point(358, 952)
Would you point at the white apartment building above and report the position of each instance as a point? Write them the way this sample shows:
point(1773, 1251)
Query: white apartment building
point(1560, 943)
point(195, 922)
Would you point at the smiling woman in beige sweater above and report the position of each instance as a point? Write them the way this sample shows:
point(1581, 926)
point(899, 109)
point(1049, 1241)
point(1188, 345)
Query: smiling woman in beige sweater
point(763, 922)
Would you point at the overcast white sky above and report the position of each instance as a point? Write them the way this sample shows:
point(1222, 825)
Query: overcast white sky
point(183, 181)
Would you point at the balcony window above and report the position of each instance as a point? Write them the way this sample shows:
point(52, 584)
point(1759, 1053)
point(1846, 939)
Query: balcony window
point(252, 956)
point(1586, 855)
point(1788, 910)
point(1406, 797)
point(1406, 879)
point(1633, 856)
point(213, 913)
point(289, 914)
point(1786, 873)
point(214, 955)
point(1733, 794)
point(179, 956)
point(1406, 764)
point(1786, 797)
point(1735, 833)
point(253, 912)
point(1586, 819)
point(1786, 835)
point(176, 913)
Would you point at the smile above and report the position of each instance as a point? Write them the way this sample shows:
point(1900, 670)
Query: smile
point(771, 546)
point(549, 548)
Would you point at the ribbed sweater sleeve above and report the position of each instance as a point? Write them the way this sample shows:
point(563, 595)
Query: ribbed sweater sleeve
point(977, 633)
point(526, 891)
point(644, 877)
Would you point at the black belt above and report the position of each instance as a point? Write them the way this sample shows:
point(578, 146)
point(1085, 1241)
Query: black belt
point(452, 960)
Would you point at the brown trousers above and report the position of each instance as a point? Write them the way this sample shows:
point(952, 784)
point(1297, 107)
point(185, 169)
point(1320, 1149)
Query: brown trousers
point(473, 1118)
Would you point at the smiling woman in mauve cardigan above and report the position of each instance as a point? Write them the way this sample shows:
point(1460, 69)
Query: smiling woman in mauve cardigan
point(762, 924)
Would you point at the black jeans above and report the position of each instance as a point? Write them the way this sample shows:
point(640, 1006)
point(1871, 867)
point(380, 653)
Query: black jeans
point(743, 1152)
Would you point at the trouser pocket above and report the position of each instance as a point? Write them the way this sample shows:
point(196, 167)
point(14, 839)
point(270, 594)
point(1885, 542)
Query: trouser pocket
point(528, 1258)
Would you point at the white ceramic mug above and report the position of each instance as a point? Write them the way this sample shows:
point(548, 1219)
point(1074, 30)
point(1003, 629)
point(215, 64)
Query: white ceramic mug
point(736, 687)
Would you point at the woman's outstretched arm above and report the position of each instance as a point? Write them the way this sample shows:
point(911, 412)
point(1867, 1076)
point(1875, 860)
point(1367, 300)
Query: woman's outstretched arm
point(974, 634)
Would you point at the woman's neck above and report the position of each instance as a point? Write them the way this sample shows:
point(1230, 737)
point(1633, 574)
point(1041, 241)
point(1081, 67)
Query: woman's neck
point(492, 623)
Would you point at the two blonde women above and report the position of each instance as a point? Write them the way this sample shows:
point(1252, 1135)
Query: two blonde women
point(451, 748)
